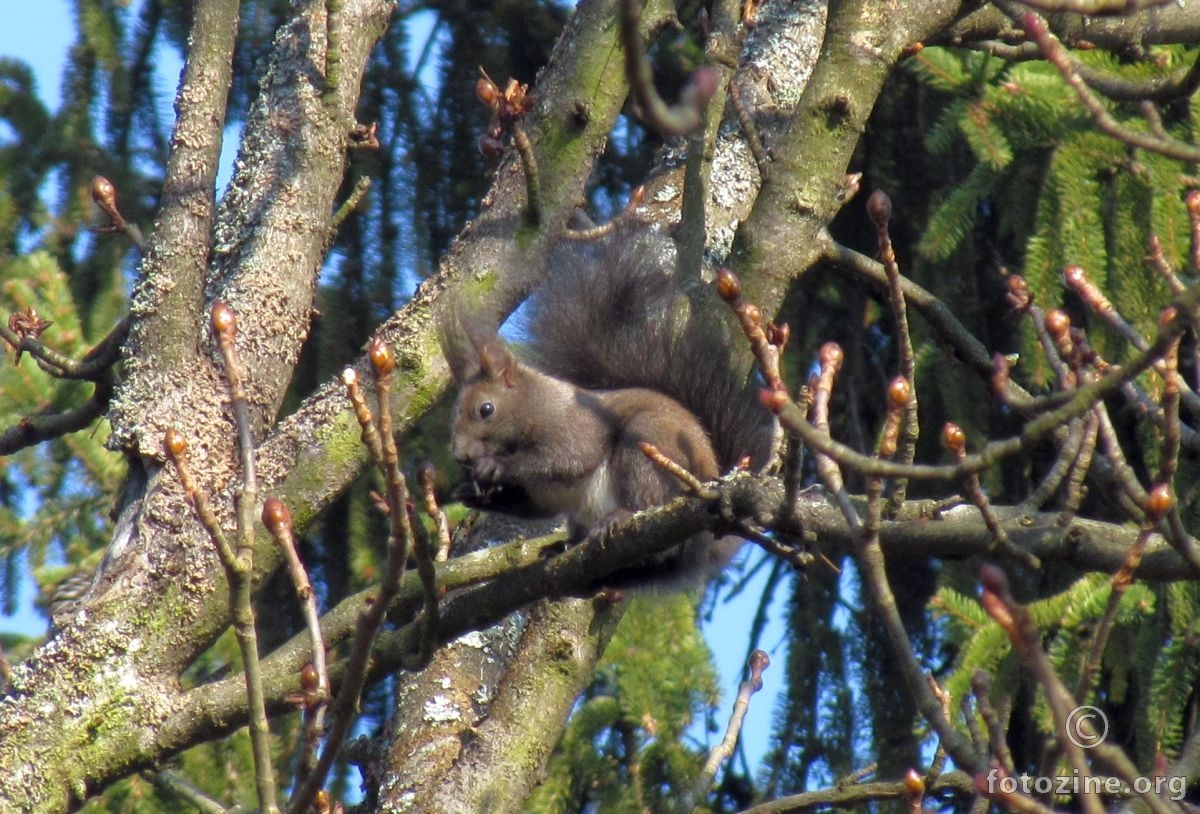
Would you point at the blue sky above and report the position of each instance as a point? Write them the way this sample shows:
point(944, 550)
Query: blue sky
point(39, 32)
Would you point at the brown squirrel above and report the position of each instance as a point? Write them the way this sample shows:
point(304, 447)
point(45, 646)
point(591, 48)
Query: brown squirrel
point(619, 352)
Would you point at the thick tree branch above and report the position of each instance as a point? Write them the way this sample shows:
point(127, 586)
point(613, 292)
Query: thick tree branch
point(801, 191)
point(168, 305)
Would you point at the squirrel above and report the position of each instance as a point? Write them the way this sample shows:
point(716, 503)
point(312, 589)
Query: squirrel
point(617, 351)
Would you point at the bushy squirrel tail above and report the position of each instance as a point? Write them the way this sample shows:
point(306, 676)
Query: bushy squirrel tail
point(613, 314)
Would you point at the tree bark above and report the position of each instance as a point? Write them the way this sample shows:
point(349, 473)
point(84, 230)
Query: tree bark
point(102, 699)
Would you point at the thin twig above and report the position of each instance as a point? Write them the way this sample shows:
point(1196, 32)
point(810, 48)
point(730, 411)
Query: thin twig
point(34, 429)
point(1080, 464)
point(870, 560)
point(1078, 280)
point(757, 663)
point(766, 343)
point(954, 439)
point(241, 571)
point(533, 178)
point(345, 706)
point(830, 357)
point(1081, 400)
point(96, 364)
point(278, 520)
point(1015, 620)
point(879, 209)
point(981, 686)
point(749, 128)
point(179, 786)
point(361, 187)
point(370, 435)
point(1063, 464)
point(675, 120)
point(690, 482)
point(1161, 501)
point(176, 447)
point(427, 478)
point(424, 552)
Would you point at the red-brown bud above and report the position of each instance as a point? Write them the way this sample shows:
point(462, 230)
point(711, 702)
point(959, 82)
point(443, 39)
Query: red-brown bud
point(1018, 292)
point(1193, 201)
point(759, 661)
point(914, 785)
point(309, 680)
point(1159, 502)
point(993, 578)
point(175, 443)
point(773, 400)
point(830, 355)
point(104, 192)
point(998, 609)
point(380, 354)
point(224, 321)
point(275, 515)
point(1074, 275)
point(1167, 316)
point(486, 91)
point(1057, 323)
point(899, 393)
point(879, 208)
point(729, 285)
point(954, 439)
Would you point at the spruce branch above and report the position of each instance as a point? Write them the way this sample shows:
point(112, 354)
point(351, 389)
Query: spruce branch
point(1016, 622)
point(1056, 54)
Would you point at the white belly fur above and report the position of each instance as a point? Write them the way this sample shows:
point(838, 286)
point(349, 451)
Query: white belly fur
point(599, 498)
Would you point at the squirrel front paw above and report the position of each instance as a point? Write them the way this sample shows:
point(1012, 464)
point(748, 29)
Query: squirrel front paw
point(487, 471)
point(508, 498)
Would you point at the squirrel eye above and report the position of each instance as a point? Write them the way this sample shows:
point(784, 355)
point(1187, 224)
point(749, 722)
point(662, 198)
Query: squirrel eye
point(486, 409)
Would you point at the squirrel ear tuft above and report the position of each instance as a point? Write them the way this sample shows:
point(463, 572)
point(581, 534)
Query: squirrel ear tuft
point(463, 339)
point(497, 361)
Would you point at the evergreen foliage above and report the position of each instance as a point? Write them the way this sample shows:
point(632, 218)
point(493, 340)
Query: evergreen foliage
point(1013, 178)
point(627, 747)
